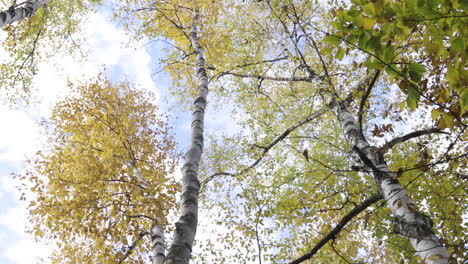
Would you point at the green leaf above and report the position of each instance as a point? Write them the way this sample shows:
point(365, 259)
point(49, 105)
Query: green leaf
point(357, 20)
point(354, 12)
point(325, 50)
point(420, 3)
point(386, 28)
point(431, 3)
point(369, 9)
point(417, 67)
point(340, 53)
point(452, 74)
point(415, 71)
point(464, 100)
point(364, 40)
point(371, 63)
point(413, 98)
point(332, 40)
point(378, 4)
point(457, 45)
point(412, 4)
point(464, 4)
point(448, 120)
point(389, 53)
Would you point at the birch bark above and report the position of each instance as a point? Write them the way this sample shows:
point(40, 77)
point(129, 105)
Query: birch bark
point(157, 240)
point(409, 222)
point(16, 14)
point(158, 253)
point(186, 226)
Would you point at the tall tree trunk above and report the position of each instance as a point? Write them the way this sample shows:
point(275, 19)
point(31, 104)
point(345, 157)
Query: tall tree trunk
point(186, 226)
point(157, 241)
point(410, 223)
point(14, 14)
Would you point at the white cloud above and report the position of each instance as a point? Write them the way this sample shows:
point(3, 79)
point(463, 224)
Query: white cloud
point(19, 134)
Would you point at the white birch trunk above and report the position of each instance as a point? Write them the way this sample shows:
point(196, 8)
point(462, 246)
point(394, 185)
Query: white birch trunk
point(186, 226)
point(159, 247)
point(416, 226)
point(16, 14)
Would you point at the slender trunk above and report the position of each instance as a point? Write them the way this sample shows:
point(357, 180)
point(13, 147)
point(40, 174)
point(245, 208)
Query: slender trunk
point(14, 14)
point(157, 231)
point(157, 240)
point(410, 223)
point(186, 226)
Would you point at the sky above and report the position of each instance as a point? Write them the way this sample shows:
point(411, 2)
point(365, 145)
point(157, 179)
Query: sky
point(20, 134)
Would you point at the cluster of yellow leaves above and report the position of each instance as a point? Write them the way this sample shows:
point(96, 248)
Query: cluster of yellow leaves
point(88, 196)
point(171, 22)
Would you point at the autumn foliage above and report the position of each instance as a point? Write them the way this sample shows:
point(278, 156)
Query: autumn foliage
point(88, 196)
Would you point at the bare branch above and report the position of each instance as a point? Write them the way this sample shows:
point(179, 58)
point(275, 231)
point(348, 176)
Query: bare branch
point(409, 136)
point(331, 235)
point(365, 96)
point(266, 77)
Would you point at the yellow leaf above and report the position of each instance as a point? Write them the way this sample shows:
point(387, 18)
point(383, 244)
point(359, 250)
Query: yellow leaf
point(435, 113)
point(368, 23)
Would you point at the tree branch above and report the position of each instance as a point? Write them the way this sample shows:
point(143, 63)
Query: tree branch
point(331, 235)
point(365, 96)
point(409, 136)
point(265, 77)
point(133, 246)
point(270, 146)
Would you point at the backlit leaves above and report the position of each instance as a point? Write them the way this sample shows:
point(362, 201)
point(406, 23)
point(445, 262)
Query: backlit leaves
point(88, 196)
point(415, 41)
point(53, 28)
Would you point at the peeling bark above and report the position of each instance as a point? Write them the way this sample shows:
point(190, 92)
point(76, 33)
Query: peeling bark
point(416, 226)
point(14, 14)
point(186, 227)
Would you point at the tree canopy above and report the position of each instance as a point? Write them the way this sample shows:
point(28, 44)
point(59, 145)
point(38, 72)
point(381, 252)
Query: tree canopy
point(51, 29)
point(351, 145)
point(104, 176)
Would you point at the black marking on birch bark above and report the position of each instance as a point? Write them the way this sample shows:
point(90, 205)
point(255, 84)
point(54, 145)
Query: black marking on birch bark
point(395, 202)
point(380, 176)
point(200, 100)
point(394, 181)
point(395, 190)
point(420, 227)
point(349, 123)
point(352, 132)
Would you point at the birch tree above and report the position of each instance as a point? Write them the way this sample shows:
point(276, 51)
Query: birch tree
point(349, 74)
point(104, 180)
point(185, 227)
